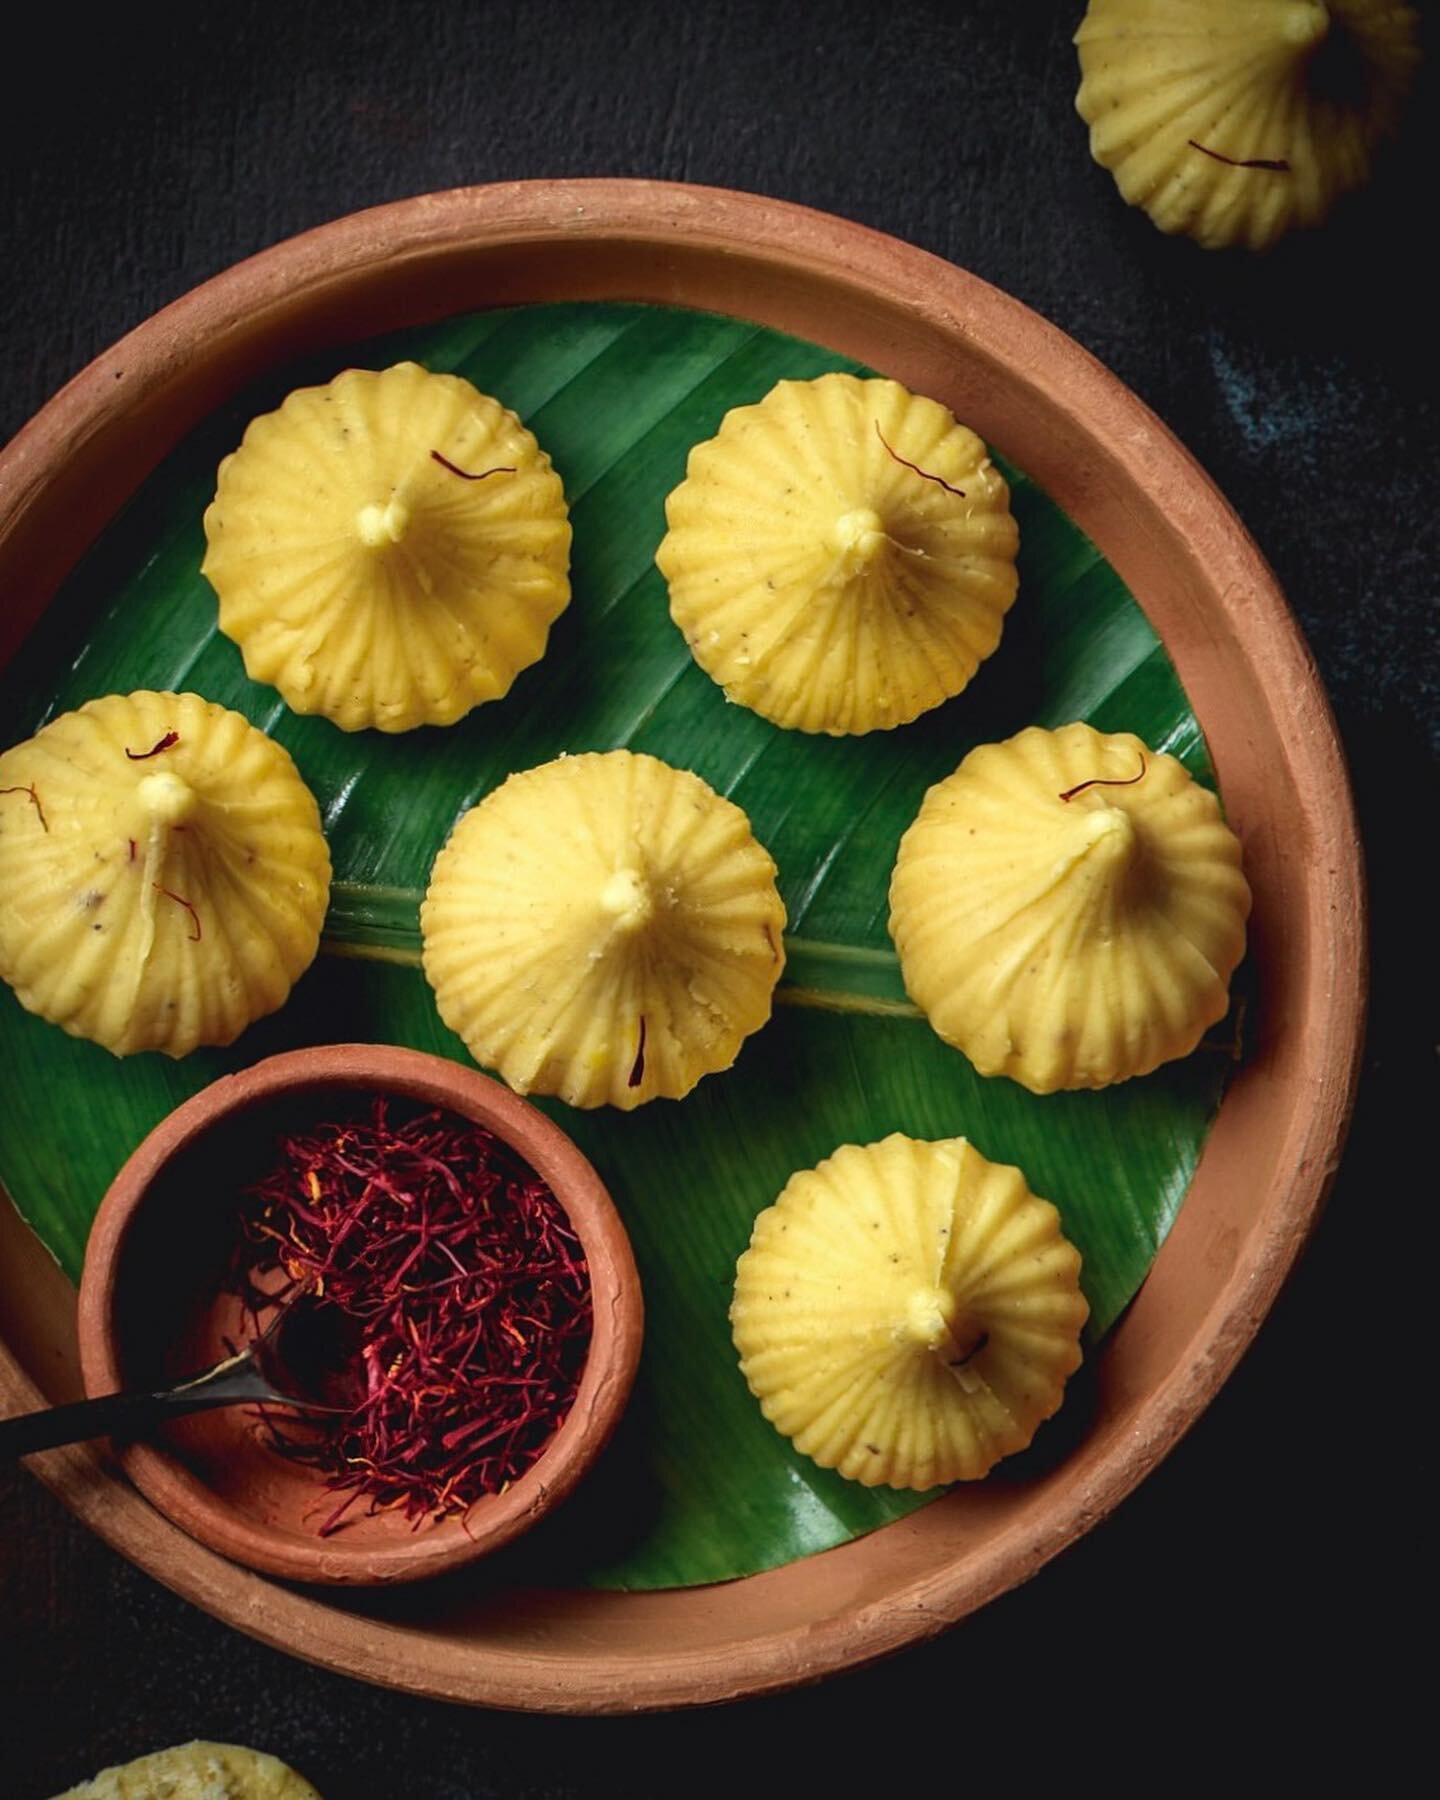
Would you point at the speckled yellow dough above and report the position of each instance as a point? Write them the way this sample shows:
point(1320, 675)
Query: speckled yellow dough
point(197, 1771)
point(1234, 121)
point(820, 580)
point(1069, 943)
point(604, 928)
point(389, 550)
point(163, 874)
point(908, 1313)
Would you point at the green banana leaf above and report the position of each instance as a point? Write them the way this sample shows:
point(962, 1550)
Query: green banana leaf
point(699, 1487)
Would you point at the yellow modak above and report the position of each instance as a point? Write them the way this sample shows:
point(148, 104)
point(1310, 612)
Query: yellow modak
point(908, 1312)
point(163, 874)
point(1235, 120)
point(1069, 908)
point(604, 928)
point(197, 1771)
point(841, 556)
point(390, 550)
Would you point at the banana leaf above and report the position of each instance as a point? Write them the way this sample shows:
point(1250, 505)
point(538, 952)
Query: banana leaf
point(699, 1487)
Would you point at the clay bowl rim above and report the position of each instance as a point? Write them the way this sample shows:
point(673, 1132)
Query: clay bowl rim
point(605, 1383)
point(1123, 476)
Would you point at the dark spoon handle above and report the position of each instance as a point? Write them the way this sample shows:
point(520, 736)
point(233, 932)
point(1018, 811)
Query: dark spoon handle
point(132, 1414)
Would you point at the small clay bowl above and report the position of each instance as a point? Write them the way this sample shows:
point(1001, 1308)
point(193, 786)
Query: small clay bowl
point(152, 1308)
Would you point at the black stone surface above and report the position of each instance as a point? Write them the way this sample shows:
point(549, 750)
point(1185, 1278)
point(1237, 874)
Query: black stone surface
point(1231, 1619)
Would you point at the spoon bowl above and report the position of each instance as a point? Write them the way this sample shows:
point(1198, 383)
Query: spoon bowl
point(263, 1370)
point(155, 1304)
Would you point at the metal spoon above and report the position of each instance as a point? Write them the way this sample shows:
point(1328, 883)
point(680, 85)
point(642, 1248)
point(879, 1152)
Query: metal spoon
point(260, 1372)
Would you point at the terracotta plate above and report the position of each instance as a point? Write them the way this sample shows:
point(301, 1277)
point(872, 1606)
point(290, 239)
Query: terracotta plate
point(1115, 469)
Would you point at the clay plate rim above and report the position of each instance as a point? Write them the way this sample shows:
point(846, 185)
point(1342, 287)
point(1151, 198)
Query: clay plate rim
point(605, 1384)
point(1125, 479)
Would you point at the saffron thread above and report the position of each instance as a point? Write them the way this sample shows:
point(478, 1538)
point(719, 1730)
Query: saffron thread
point(181, 901)
point(1104, 781)
point(637, 1073)
point(168, 742)
point(972, 1352)
point(465, 474)
point(1277, 163)
point(34, 799)
point(447, 1273)
point(924, 474)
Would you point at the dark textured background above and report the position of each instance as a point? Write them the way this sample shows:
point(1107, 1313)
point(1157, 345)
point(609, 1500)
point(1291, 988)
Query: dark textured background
point(1231, 1614)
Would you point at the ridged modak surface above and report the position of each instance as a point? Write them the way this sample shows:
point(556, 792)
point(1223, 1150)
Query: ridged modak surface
point(820, 580)
point(1234, 120)
point(163, 874)
point(605, 928)
point(1069, 942)
point(908, 1312)
point(389, 550)
point(197, 1771)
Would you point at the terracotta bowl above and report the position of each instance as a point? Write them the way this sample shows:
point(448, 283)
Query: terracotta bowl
point(152, 1308)
point(1154, 513)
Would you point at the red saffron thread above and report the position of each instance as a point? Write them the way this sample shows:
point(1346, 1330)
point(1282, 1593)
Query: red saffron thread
point(168, 742)
point(465, 474)
point(131, 843)
point(973, 1352)
point(1104, 781)
point(637, 1073)
point(925, 474)
point(1277, 163)
point(454, 1273)
point(34, 801)
point(181, 901)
